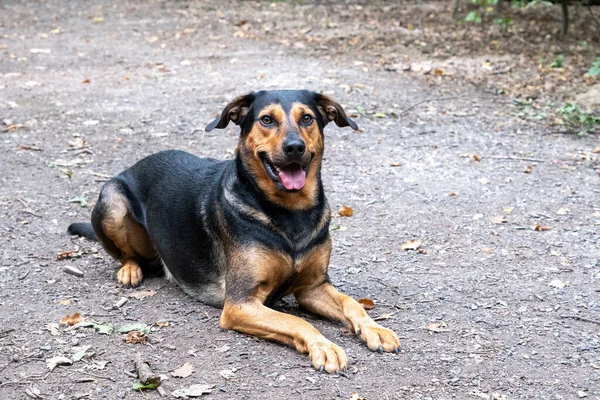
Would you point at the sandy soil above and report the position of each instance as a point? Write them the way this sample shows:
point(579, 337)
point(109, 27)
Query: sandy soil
point(88, 88)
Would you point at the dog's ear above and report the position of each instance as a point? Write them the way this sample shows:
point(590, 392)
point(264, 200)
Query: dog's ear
point(333, 111)
point(235, 111)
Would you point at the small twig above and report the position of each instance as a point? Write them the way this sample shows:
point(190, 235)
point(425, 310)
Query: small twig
point(6, 365)
point(515, 158)
point(394, 288)
point(81, 151)
point(14, 383)
point(110, 378)
point(6, 332)
point(28, 147)
point(100, 175)
point(145, 374)
point(577, 317)
point(130, 374)
point(85, 380)
point(425, 101)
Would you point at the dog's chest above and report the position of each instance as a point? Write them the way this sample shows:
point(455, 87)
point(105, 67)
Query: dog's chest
point(298, 230)
point(304, 271)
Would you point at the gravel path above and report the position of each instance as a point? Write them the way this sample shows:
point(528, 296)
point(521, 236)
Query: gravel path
point(488, 308)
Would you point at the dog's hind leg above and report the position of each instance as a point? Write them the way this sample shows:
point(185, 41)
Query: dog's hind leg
point(120, 235)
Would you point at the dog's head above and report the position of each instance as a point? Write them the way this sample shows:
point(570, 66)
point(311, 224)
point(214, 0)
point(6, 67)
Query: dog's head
point(281, 142)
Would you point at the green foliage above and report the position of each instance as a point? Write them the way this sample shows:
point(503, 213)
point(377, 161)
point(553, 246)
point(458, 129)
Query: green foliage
point(577, 120)
point(558, 61)
point(595, 70)
point(504, 23)
point(135, 327)
point(527, 110)
point(140, 386)
point(473, 16)
point(103, 328)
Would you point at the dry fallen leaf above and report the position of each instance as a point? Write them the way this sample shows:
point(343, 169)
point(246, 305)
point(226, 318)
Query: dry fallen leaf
point(14, 127)
point(356, 396)
point(367, 303)
point(346, 211)
point(143, 294)
point(452, 194)
point(77, 143)
point(438, 327)
point(162, 324)
point(527, 169)
point(396, 164)
point(383, 316)
point(184, 371)
point(66, 255)
point(539, 227)
point(71, 319)
point(51, 363)
point(228, 374)
point(474, 157)
point(557, 283)
point(499, 220)
point(64, 302)
point(136, 337)
point(53, 328)
point(596, 150)
point(413, 244)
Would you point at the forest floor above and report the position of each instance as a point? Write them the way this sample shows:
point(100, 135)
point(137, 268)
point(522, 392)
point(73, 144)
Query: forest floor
point(501, 301)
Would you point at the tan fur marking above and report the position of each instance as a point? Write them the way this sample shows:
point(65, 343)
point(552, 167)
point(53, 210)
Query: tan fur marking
point(260, 268)
point(255, 319)
point(130, 274)
point(312, 267)
point(129, 237)
point(311, 134)
point(325, 300)
point(267, 269)
point(269, 140)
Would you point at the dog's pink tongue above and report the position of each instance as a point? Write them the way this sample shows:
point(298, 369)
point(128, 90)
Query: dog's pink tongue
point(292, 177)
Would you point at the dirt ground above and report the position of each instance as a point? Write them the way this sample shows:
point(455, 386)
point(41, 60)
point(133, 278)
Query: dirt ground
point(490, 308)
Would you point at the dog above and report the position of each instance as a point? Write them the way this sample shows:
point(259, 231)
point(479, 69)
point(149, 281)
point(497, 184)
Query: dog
point(241, 234)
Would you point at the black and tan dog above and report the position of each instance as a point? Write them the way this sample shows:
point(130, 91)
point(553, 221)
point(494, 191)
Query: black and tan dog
point(243, 233)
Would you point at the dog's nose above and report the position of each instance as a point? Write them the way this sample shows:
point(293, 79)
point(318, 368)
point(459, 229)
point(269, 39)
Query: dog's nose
point(293, 145)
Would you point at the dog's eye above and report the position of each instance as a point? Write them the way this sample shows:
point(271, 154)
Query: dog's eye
point(265, 119)
point(307, 119)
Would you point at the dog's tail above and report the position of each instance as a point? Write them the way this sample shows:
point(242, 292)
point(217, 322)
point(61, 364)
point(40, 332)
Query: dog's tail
point(83, 229)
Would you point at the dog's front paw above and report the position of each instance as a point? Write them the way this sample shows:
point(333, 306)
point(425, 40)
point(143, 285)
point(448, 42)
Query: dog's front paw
point(327, 356)
point(130, 275)
point(379, 338)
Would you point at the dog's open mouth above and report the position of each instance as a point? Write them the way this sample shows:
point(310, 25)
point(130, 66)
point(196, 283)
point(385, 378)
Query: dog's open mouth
point(291, 176)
